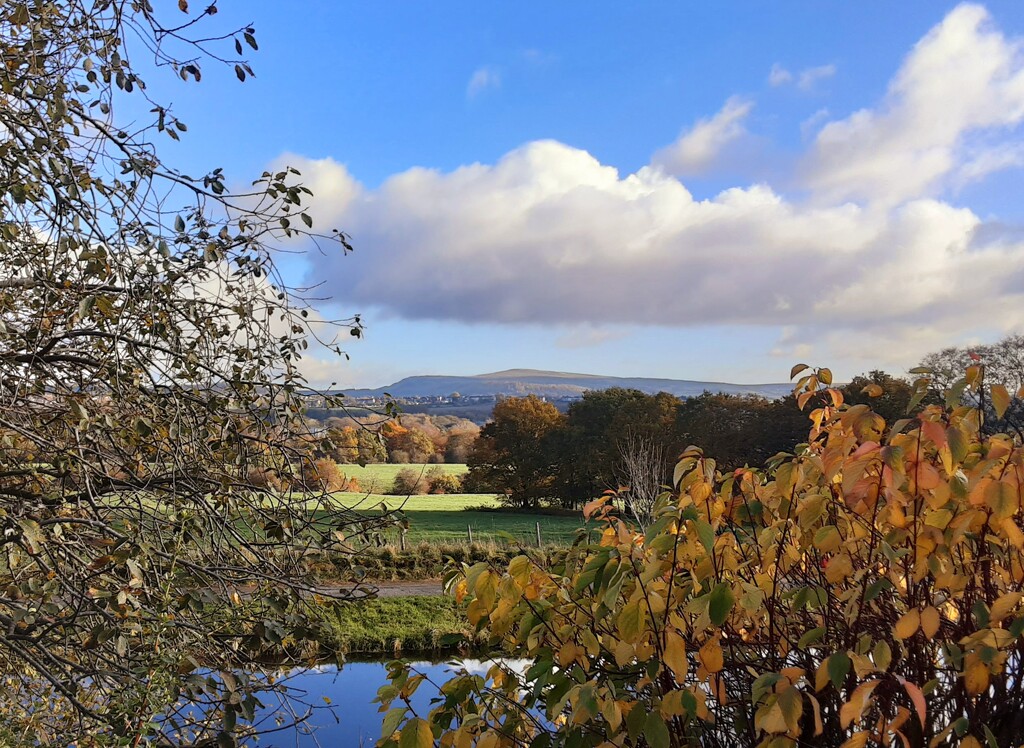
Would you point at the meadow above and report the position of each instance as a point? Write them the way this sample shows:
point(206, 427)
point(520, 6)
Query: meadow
point(447, 518)
point(377, 478)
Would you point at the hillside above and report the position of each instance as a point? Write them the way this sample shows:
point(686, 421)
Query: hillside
point(518, 382)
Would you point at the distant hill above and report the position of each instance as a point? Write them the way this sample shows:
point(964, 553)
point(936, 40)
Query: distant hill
point(554, 384)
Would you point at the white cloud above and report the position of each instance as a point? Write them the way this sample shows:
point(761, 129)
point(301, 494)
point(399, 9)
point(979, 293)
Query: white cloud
point(483, 79)
point(964, 79)
point(697, 148)
point(550, 235)
point(805, 79)
point(779, 76)
point(809, 78)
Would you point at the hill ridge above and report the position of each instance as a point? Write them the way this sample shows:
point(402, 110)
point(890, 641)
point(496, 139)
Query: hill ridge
point(518, 382)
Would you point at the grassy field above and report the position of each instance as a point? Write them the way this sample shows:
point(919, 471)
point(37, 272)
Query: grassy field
point(377, 478)
point(447, 518)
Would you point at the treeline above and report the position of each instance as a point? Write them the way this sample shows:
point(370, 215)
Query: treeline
point(618, 438)
point(415, 438)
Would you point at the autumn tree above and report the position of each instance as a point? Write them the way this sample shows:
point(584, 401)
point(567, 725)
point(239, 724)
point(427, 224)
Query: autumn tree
point(868, 589)
point(150, 384)
point(514, 453)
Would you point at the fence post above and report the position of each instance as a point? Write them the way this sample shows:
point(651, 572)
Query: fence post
point(470, 528)
point(538, 534)
point(401, 541)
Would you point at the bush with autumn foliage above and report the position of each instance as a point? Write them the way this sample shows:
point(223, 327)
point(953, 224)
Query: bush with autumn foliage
point(865, 590)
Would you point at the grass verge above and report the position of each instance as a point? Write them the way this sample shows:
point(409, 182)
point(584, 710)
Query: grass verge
point(394, 625)
point(426, 560)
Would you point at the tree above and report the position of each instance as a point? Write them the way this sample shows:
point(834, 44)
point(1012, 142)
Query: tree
point(643, 475)
point(149, 365)
point(740, 430)
point(867, 589)
point(1002, 364)
point(514, 453)
point(593, 440)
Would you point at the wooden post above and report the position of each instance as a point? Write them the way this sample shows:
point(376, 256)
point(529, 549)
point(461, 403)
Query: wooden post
point(401, 541)
point(470, 528)
point(538, 534)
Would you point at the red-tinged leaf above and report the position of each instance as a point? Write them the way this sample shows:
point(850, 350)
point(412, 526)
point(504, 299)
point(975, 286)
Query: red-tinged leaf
point(593, 506)
point(916, 697)
point(934, 432)
point(974, 356)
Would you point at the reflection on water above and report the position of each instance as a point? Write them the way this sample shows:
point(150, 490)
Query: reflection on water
point(352, 719)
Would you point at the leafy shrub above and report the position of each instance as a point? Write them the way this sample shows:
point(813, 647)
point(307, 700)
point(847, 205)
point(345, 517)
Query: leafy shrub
point(324, 474)
point(440, 481)
point(867, 588)
point(410, 482)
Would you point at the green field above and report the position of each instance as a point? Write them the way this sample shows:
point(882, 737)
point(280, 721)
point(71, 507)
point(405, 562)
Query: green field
point(377, 478)
point(448, 517)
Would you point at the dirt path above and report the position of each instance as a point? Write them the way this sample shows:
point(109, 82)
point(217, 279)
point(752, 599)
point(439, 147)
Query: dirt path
point(407, 588)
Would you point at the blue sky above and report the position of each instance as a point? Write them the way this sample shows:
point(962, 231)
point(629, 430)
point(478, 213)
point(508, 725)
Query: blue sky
point(699, 191)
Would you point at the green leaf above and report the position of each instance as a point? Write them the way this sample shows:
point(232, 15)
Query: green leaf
point(720, 602)
point(706, 534)
point(810, 637)
point(416, 734)
point(391, 720)
point(656, 731)
point(838, 668)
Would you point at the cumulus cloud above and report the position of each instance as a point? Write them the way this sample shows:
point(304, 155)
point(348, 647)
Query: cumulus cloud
point(872, 259)
point(962, 83)
point(483, 79)
point(697, 149)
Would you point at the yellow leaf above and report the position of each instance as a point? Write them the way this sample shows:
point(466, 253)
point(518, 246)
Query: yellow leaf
point(710, 656)
point(839, 568)
point(631, 621)
point(675, 655)
point(416, 734)
point(771, 719)
point(976, 678)
point(907, 626)
point(1002, 499)
point(872, 390)
point(930, 621)
point(970, 742)
point(1000, 399)
point(1013, 533)
point(853, 709)
point(1004, 605)
point(819, 726)
point(857, 740)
